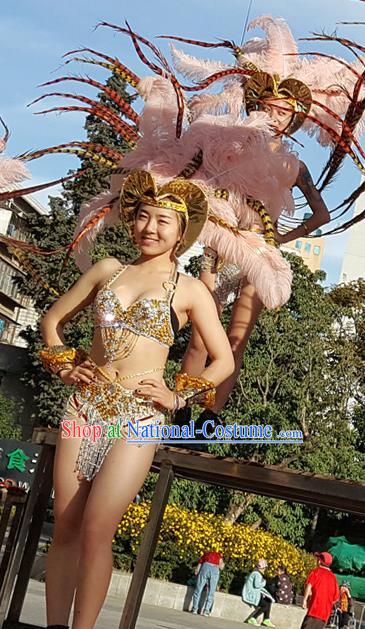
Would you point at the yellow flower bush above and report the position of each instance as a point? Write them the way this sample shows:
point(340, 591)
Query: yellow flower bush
point(185, 535)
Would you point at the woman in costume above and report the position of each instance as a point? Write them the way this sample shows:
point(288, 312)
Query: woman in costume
point(138, 310)
point(274, 87)
point(281, 107)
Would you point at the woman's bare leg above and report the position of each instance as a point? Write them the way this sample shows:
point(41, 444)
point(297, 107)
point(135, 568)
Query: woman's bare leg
point(196, 355)
point(114, 487)
point(63, 555)
point(245, 312)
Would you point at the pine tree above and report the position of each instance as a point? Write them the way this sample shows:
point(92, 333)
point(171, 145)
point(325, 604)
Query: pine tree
point(56, 229)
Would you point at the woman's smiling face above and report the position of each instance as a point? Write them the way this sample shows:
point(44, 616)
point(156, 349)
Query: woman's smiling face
point(156, 230)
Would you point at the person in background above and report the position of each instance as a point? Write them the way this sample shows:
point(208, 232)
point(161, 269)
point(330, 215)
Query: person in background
point(284, 588)
point(344, 604)
point(320, 594)
point(254, 593)
point(207, 571)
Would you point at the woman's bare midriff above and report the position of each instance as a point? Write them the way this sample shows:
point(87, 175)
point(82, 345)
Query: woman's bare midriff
point(147, 356)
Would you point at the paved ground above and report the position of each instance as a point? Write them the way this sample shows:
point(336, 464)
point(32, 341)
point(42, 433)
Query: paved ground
point(150, 617)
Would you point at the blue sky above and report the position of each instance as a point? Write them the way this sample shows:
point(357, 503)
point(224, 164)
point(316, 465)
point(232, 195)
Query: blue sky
point(35, 34)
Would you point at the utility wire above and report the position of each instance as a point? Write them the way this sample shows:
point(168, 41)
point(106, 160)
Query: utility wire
point(246, 21)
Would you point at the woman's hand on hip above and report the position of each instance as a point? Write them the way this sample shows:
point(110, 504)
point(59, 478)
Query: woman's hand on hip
point(156, 391)
point(80, 373)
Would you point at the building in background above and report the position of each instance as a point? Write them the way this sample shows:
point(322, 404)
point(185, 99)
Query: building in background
point(353, 263)
point(16, 310)
point(194, 251)
point(311, 250)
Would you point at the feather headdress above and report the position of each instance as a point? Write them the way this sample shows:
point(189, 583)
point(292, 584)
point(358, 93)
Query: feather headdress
point(331, 80)
point(185, 131)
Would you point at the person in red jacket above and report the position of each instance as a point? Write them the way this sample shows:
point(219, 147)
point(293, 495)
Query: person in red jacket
point(321, 592)
point(207, 571)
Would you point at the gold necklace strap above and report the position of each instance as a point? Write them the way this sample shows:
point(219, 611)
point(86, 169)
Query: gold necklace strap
point(170, 284)
point(173, 273)
point(115, 276)
point(104, 372)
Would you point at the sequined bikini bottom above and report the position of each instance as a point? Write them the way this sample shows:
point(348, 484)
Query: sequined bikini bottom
point(228, 284)
point(230, 277)
point(108, 410)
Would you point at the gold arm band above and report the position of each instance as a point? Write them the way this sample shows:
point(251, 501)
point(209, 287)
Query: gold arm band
point(209, 261)
point(195, 390)
point(56, 357)
point(65, 366)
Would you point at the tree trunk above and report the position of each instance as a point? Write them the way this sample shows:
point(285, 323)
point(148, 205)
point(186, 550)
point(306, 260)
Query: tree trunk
point(256, 525)
point(313, 527)
point(238, 505)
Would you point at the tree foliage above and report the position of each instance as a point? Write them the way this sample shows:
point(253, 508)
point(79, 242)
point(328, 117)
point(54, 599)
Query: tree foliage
point(303, 369)
point(9, 429)
point(56, 229)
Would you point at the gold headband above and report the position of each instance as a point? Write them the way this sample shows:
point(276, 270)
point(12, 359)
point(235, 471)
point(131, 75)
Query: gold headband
point(262, 85)
point(181, 195)
point(280, 90)
point(163, 202)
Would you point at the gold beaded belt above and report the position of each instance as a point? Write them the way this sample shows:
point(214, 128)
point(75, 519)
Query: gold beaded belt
point(102, 404)
point(113, 402)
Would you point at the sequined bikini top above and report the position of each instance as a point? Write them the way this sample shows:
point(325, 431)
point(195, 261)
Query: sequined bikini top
point(121, 327)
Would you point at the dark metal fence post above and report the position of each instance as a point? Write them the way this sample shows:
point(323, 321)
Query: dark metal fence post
point(16, 499)
point(28, 538)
